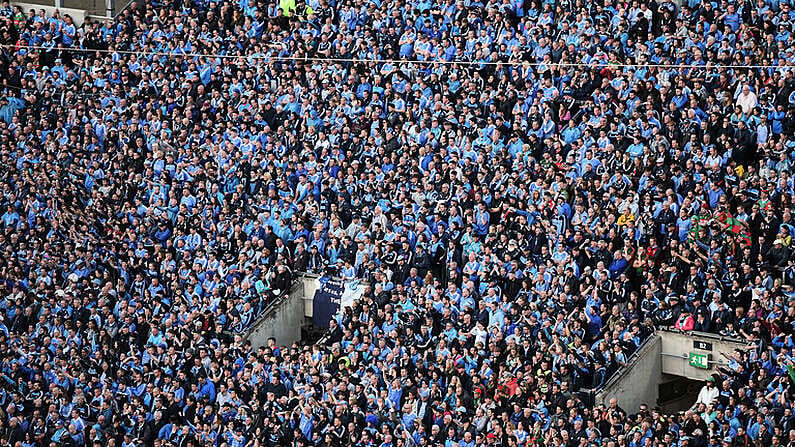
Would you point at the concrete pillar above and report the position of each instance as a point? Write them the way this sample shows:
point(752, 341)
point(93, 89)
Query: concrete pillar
point(110, 7)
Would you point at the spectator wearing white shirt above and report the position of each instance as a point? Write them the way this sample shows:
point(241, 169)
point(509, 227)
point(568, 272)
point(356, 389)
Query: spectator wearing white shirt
point(709, 392)
point(747, 100)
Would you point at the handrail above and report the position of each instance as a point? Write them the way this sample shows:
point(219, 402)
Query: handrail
point(630, 361)
point(666, 329)
point(127, 4)
point(699, 334)
point(271, 305)
point(298, 277)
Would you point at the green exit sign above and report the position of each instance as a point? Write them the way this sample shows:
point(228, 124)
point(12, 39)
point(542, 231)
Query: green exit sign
point(699, 360)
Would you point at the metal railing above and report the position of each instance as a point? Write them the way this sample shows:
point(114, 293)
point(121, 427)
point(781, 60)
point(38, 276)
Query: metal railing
point(272, 304)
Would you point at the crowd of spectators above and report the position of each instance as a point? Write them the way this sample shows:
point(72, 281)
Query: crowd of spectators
point(530, 188)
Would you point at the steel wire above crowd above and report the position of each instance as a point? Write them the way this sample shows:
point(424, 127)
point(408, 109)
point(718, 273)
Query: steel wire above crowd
point(530, 189)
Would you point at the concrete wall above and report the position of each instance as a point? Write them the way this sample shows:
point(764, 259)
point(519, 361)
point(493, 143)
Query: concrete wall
point(666, 353)
point(79, 10)
point(79, 15)
point(677, 346)
point(637, 383)
point(311, 284)
point(283, 321)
